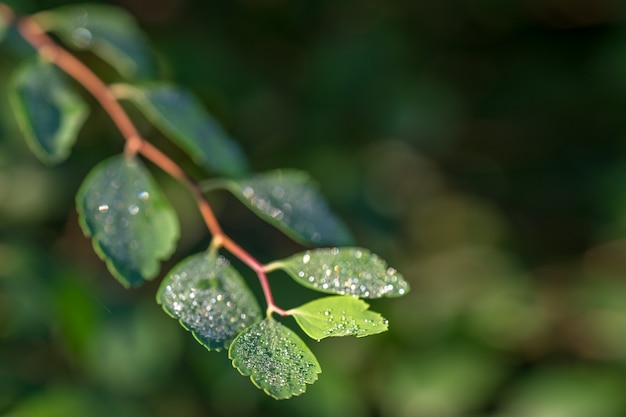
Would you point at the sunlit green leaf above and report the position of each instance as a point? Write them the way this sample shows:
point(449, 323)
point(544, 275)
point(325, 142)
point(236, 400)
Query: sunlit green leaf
point(349, 270)
point(182, 117)
point(275, 358)
point(289, 200)
point(108, 31)
point(209, 298)
point(131, 224)
point(47, 109)
point(341, 315)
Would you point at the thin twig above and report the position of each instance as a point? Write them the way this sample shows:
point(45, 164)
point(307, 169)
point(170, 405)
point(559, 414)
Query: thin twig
point(50, 50)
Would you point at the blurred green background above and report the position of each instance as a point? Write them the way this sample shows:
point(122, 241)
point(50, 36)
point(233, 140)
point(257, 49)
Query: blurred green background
point(479, 146)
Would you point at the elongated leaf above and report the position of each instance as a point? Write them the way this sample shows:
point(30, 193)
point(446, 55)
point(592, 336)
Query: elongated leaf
point(275, 358)
point(108, 31)
point(209, 298)
point(182, 117)
point(354, 271)
point(131, 224)
point(340, 315)
point(289, 200)
point(47, 109)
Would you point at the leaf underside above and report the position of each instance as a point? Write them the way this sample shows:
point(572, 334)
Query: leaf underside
point(209, 298)
point(350, 270)
point(47, 109)
point(289, 200)
point(131, 224)
point(340, 315)
point(182, 118)
point(275, 358)
point(109, 32)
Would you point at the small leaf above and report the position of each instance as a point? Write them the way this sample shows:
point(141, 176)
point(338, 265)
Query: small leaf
point(275, 358)
point(354, 271)
point(289, 200)
point(340, 315)
point(109, 32)
point(209, 298)
point(131, 224)
point(181, 117)
point(47, 109)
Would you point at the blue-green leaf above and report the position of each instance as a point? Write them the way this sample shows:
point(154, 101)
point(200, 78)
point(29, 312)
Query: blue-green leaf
point(290, 201)
point(108, 31)
point(183, 118)
point(275, 358)
point(354, 271)
point(47, 109)
point(209, 298)
point(131, 224)
point(339, 315)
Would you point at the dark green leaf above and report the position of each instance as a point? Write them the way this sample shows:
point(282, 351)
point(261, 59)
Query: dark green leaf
point(354, 271)
point(275, 358)
point(289, 200)
point(340, 315)
point(108, 31)
point(182, 117)
point(47, 109)
point(131, 224)
point(209, 298)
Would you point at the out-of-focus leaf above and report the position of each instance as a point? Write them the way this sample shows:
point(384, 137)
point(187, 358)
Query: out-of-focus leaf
point(573, 392)
point(342, 315)
point(131, 224)
point(275, 358)
point(290, 201)
point(209, 298)
point(108, 31)
point(349, 270)
point(47, 109)
point(182, 117)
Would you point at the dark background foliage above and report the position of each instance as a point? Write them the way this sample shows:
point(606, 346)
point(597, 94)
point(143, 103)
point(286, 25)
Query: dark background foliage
point(478, 146)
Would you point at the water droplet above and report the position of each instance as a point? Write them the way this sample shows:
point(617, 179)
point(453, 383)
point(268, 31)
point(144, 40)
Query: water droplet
point(248, 192)
point(103, 208)
point(82, 37)
point(133, 209)
point(278, 192)
point(306, 258)
point(143, 195)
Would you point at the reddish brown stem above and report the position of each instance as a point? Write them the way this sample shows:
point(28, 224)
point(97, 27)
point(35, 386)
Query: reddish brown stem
point(50, 50)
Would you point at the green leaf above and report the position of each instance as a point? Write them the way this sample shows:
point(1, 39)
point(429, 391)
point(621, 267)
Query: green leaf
point(182, 117)
point(275, 358)
point(340, 315)
point(109, 32)
point(354, 271)
point(209, 298)
point(131, 224)
point(47, 109)
point(290, 201)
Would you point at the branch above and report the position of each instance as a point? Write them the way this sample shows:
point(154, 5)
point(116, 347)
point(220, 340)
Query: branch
point(50, 50)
